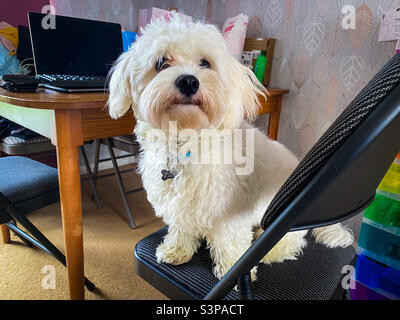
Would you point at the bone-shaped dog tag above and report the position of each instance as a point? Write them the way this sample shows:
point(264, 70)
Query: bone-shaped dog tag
point(166, 175)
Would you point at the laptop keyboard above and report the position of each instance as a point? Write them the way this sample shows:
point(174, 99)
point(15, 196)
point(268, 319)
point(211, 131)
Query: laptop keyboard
point(66, 81)
point(68, 77)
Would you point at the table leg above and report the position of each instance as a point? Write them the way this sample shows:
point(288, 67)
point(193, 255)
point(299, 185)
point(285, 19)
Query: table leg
point(274, 118)
point(68, 139)
point(5, 232)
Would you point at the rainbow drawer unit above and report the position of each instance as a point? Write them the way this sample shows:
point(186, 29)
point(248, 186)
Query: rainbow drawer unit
point(377, 274)
point(380, 231)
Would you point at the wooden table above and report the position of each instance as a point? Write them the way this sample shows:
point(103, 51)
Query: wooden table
point(69, 120)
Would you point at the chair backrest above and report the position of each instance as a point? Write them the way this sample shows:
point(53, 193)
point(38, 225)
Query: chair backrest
point(340, 174)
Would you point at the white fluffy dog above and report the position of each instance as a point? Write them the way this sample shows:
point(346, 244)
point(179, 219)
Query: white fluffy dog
point(183, 74)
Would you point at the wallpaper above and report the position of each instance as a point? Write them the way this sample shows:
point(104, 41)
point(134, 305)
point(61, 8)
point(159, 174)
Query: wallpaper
point(322, 64)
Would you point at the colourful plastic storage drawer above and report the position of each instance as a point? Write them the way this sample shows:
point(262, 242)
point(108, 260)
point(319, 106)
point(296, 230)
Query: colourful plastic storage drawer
point(384, 210)
point(380, 278)
point(391, 181)
point(380, 245)
point(361, 292)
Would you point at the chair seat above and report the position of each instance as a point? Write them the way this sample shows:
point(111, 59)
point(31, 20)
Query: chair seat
point(28, 184)
point(23, 178)
point(129, 139)
point(17, 146)
point(316, 275)
point(127, 143)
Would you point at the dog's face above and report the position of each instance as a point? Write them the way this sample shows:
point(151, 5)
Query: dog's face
point(183, 73)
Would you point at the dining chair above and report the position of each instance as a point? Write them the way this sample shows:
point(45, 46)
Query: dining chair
point(26, 186)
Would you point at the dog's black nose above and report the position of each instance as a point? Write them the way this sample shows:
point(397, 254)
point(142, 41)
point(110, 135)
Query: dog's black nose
point(187, 84)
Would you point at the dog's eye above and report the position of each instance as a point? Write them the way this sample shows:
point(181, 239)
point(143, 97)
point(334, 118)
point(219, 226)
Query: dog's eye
point(162, 64)
point(165, 65)
point(204, 63)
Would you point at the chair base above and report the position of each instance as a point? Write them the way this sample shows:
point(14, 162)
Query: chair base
point(133, 149)
point(39, 240)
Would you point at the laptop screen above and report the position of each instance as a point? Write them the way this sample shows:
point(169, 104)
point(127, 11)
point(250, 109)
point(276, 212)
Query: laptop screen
point(75, 46)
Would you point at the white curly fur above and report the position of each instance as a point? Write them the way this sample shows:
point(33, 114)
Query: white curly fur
point(204, 201)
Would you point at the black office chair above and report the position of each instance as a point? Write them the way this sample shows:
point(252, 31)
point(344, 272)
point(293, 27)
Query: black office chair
point(25, 186)
point(336, 180)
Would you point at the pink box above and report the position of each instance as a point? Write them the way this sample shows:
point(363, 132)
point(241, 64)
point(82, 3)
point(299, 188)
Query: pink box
point(234, 32)
point(390, 26)
point(145, 16)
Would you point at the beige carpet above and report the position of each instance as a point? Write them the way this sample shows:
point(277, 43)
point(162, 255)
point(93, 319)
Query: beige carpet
point(108, 248)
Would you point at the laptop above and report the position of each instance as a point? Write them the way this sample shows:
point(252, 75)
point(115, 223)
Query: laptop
point(76, 55)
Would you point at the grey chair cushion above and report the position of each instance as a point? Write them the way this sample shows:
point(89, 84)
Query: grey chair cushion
point(13, 140)
point(13, 145)
point(316, 275)
point(22, 178)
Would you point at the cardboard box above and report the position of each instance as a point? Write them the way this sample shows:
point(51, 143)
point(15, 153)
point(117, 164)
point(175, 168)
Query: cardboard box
point(255, 45)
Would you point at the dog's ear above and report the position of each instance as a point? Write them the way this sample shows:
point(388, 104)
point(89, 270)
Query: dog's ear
point(120, 98)
point(251, 88)
point(244, 89)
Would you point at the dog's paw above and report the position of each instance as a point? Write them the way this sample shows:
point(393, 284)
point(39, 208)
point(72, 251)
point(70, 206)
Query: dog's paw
point(173, 255)
point(220, 271)
point(288, 248)
point(334, 236)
